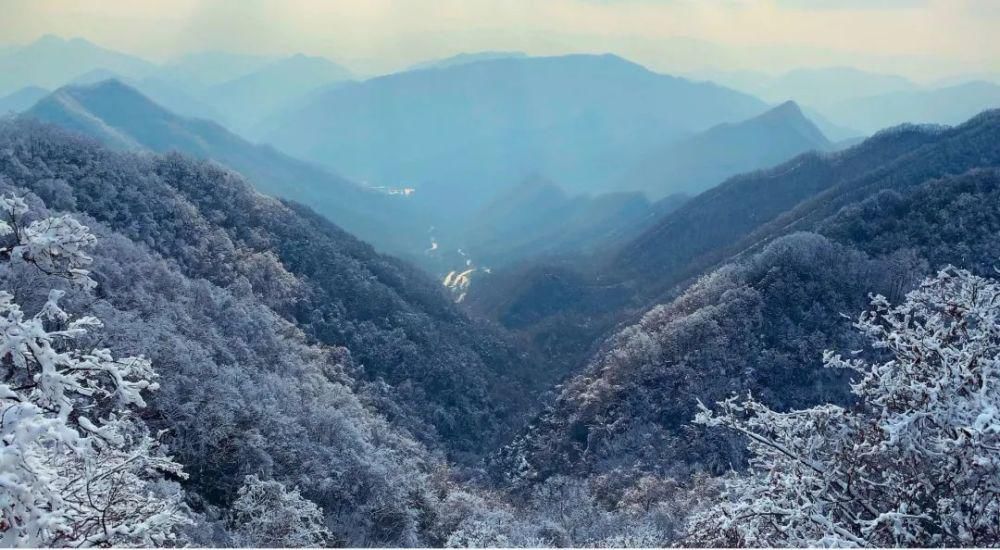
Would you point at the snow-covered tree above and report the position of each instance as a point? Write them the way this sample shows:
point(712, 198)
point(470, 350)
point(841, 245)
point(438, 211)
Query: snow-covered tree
point(266, 514)
point(494, 528)
point(915, 462)
point(76, 467)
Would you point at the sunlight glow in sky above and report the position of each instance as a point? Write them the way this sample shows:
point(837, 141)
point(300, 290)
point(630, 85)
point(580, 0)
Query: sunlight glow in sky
point(918, 38)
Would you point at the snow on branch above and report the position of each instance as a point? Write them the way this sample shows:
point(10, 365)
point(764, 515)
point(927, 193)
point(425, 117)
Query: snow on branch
point(77, 468)
point(916, 462)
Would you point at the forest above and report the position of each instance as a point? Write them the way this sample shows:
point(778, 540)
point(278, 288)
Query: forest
point(494, 300)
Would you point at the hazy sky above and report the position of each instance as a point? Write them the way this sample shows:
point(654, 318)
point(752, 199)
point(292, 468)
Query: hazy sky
point(918, 38)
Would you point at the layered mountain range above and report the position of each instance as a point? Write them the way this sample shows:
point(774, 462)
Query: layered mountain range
point(616, 246)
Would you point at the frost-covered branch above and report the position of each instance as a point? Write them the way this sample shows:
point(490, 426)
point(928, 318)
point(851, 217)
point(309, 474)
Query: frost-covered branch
point(55, 245)
point(917, 462)
point(76, 467)
point(265, 513)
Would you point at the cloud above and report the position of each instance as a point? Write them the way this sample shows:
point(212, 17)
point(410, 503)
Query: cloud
point(920, 36)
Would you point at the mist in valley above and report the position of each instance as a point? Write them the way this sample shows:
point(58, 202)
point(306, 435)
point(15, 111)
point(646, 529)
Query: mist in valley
point(500, 274)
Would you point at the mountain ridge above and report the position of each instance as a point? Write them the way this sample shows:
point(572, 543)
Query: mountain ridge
point(569, 305)
point(759, 316)
point(246, 100)
point(500, 120)
point(119, 115)
point(699, 162)
point(51, 62)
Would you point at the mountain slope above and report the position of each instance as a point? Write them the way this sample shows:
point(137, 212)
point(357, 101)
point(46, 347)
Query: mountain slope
point(536, 217)
point(756, 325)
point(165, 94)
point(240, 389)
point(761, 321)
point(567, 306)
point(697, 163)
point(446, 378)
point(753, 208)
point(969, 146)
point(123, 118)
point(460, 132)
point(834, 132)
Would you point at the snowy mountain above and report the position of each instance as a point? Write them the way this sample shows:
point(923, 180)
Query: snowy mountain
point(253, 299)
point(121, 117)
point(733, 218)
point(765, 301)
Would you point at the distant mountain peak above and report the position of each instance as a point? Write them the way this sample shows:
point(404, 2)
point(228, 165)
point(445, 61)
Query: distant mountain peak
point(789, 107)
point(56, 41)
point(48, 39)
point(100, 108)
point(110, 83)
point(105, 86)
point(52, 61)
point(787, 113)
point(697, 163)
point(94, 76)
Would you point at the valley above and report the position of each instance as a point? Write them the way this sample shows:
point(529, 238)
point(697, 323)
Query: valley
point(495, 299)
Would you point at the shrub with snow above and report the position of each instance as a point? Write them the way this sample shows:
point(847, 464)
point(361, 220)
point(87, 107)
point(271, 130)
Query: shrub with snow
point(77, 468)
point(266, 514)
point(915, 462)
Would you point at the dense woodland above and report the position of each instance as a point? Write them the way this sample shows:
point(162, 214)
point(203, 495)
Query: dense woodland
point(799, 348)
point(284, 321)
